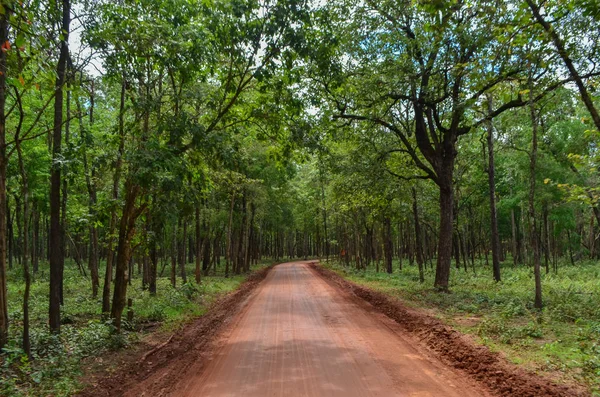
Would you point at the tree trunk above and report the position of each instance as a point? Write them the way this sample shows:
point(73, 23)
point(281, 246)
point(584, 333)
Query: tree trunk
point(532, 216)
point(229, 234)
point(419, 253)
point(546, 238)
point(174, 256)
point(4, 24)
point(153, 250)
point(251, 236)
point(64, 192)
point(9, 227)
point(444, 258)
point(198, 246)
point(388, 246)
point(56, 234)
point(27, 276)
point(242, 237)
point(206, 248)
point(513, 224)
point(491, 171)
point(182, 253)
point(35, 240)
point(126, 232)
point(93, 262)
point(115, 197)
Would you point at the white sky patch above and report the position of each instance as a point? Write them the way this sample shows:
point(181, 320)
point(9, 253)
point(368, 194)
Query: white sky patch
point(82, 54)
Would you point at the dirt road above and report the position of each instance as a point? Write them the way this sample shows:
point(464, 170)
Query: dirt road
point(300, 336)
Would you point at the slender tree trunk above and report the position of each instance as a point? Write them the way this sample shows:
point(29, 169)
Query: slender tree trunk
point(546, 239)
point(198, 246)
point(513, 224)
point(242, 237)
point(324, 210)
point(491, 171)
point(93, 262)
point(400, 245)
point(56, 232)
point(35, 238)
point(174, 256)
point(570, 248)
point(9, 227)
point(4, 24)
point(64, 193)
point(591, 237)
point(182, 253)
point(532, 215)
point(153, 248)
point(444, 258)
point(251, 236)
point(229, 234)
point(18, 250)
point(126, 232)
point(216, 251)
point(26, 274)
point(388, 246)
point(419, 253)
point(115, 196)
point(153, 268)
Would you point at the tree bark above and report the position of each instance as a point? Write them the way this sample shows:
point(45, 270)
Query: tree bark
point(182, 251)
point(56, 232)
point(514, 247)
point(155, 227)
point(26, 274)
point(419, 253)
point(491, 171)
point(174, 256)
point(241, 255)
point(532, 215)
point(115, 197)
point(35, 239)
point(251, 237)
point(229, 234)
point(388, 246)
point(198, 246)
point(91, 188)
point(4, 24)
point(444, 258)
point(126, 232)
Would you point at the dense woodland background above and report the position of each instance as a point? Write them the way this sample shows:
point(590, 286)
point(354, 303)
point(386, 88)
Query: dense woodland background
point(148, 144)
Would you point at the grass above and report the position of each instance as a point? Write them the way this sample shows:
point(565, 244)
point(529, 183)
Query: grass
point(56, 366)
point(563, 341)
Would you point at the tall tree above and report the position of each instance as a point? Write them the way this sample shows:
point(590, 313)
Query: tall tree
point(56, 234)
point(491, 171)
point(420, 91)
point(4, 24)
point(535, 237)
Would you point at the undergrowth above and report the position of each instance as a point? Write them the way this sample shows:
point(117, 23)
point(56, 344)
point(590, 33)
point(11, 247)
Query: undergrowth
point(56, 366)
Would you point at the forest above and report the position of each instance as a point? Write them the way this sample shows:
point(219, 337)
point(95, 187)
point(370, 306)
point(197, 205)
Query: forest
point(153, 153)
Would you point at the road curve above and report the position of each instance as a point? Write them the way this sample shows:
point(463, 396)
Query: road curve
point(300, 336)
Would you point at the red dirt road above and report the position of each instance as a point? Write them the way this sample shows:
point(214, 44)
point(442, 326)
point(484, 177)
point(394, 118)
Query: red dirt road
point(300, 336)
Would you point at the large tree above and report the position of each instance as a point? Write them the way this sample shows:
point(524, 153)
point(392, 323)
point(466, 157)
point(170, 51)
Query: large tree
point(421, 71)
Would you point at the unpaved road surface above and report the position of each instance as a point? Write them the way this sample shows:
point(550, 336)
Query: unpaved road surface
point(300, 336)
